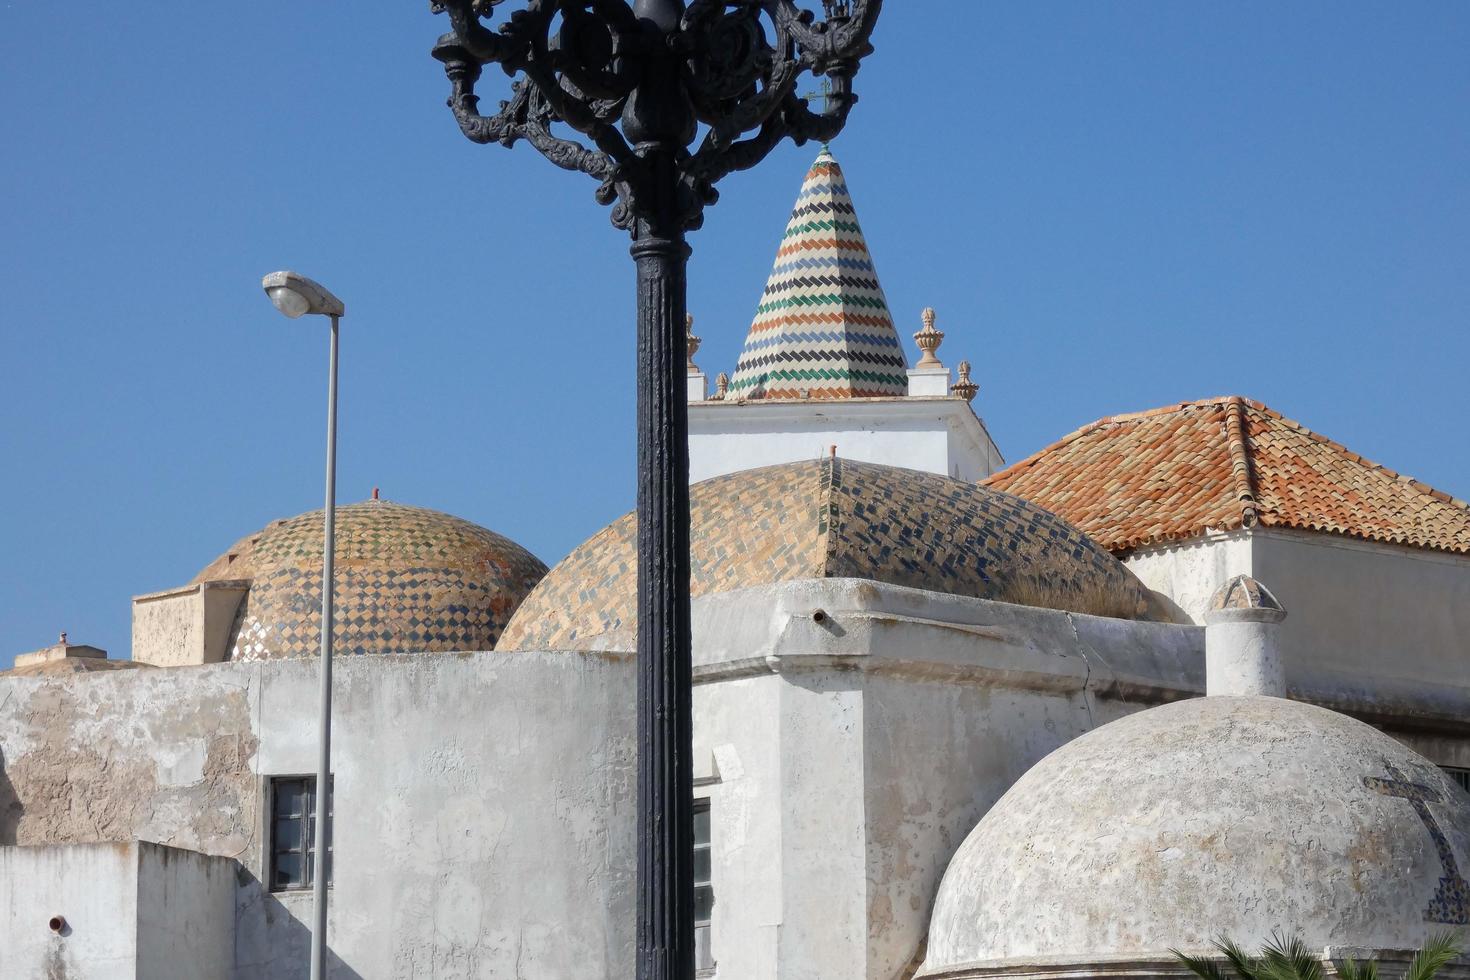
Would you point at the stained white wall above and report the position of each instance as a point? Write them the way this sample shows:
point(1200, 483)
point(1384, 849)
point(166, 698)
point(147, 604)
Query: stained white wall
point(1366, 609)
point(849, 756)
point(189, 625)
point(186, 914)
point(484, 817)
point(131, 910)
point(484, 808)
point(1363, 619)
point(1189, 573)
point(94, 887)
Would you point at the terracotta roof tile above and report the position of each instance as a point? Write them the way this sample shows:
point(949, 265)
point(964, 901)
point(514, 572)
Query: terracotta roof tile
point(1226, 463)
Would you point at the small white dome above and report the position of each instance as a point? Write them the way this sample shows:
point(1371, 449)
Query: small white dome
point(1235, 816)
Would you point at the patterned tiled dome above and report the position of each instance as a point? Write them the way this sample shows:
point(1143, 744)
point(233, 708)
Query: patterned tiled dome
point(837, 518)
point(408, 580)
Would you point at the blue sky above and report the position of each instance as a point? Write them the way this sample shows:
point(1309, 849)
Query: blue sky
point(1113, 206)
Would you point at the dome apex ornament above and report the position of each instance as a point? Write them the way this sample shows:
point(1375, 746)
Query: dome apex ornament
point(964, 387)
point(691, 341)
point(928, 340)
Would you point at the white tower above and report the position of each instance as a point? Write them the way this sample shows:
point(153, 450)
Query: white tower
point(823, 365)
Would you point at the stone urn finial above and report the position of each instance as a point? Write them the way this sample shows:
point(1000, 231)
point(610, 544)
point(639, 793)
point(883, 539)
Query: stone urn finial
point(722, 386)
point(692, 340)
point(929, 340)
point(964, 387)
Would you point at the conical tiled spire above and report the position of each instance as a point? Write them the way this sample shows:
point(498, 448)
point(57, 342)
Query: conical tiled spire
point(823, 329)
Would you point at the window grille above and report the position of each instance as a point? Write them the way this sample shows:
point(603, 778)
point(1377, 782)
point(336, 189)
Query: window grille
point(704, 893)
point(293, 808)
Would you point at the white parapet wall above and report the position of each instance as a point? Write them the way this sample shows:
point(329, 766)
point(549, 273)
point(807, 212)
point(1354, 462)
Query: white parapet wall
point(936, 435)
point(127, 911)
point(188, 625)
point(1365, 616)
point(484, 804)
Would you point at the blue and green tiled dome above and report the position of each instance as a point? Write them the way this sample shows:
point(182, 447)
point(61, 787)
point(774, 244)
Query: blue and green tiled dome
point(823, 329)
point(836, 518)
point(408, 580)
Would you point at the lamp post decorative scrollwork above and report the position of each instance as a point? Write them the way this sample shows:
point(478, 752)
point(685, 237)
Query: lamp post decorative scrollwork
point(619, 90)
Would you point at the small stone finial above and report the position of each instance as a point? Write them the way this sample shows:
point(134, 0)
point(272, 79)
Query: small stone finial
point(692, 341)
point(1243, 654)
point(1244, 592)
point(964, 387)
point(722, 386)
point(928, 340)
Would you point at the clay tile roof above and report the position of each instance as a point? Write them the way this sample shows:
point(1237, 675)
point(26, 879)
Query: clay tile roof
point(1222, 464)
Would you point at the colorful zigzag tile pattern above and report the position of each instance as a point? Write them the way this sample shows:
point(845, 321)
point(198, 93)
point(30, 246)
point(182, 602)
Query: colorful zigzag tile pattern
point(823, 329)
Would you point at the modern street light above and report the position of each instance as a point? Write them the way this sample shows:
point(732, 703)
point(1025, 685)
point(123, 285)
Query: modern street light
point(638, 79)
point(296, 296)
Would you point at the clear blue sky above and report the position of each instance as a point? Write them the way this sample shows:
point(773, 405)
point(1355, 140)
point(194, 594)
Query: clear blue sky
point(1113, 206)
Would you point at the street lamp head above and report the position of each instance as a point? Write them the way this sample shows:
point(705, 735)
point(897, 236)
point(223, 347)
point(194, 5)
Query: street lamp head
point(295, 295)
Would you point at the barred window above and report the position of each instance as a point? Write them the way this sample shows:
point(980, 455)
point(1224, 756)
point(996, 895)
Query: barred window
point(1460, 776)
point(293, 808)
point(704, 893)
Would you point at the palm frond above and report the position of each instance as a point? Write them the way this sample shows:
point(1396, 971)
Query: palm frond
point(1247, 967)
point(1199, 965)
point(1288, 958)
point(1434, 956)
point(1353, 970)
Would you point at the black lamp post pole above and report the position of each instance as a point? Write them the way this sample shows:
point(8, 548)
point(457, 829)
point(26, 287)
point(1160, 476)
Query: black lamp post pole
point(665, 769)
point(636, 80)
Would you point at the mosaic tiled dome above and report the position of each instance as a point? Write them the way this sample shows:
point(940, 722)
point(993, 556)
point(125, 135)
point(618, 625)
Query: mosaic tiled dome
point(837, 518)
point(408, 580)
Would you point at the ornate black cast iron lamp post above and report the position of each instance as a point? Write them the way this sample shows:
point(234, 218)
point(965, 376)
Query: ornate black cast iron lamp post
point(641, 82)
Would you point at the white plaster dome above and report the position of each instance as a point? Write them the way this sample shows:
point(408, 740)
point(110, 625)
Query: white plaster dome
point(1234, 816)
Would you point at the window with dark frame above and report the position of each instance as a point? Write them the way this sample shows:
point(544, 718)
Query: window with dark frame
point(704, 893)
point(293, 805)
point(1460, 776)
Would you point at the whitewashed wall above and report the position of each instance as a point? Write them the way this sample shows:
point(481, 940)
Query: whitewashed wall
point(94, 888)
point(1367, 624)
point(848, 755)
point(1378, 609)
point(936, 435)
point(484, 802)
point(133, 911)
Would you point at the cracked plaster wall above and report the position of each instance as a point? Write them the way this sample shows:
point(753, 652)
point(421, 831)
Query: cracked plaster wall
point(472, 838)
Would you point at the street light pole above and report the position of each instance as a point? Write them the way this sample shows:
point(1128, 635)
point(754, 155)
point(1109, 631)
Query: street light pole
point(295, 295)
point(322, 867)
point(637, 80)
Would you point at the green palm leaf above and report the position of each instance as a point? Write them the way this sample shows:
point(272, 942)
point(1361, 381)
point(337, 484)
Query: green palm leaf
point(1437, 953)
point(1353, 970)
point(1288, 958)
point(1247, 967)
point(1199, 966)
